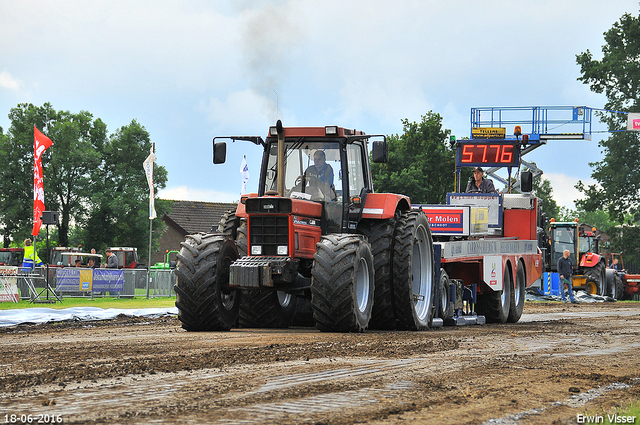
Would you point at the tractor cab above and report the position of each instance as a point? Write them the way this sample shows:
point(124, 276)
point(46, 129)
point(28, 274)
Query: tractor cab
point(325, 165)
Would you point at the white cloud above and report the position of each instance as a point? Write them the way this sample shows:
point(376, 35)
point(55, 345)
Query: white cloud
point(184, 193)
point(8, 82)
point(564, 191)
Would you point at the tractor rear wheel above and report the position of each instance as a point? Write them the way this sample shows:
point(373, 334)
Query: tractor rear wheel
point(518, 295)
point(228, 224)
point(413, 272)
point(203, 297)
point(380, 235)
point(342, 284)
point(263, 308)
point(619, 288)
point(495, 305)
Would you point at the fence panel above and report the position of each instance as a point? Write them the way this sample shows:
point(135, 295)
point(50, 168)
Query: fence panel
point(161, 283)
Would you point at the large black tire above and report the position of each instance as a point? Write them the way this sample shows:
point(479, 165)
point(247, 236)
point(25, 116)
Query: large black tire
point(380, 236)
point(203, 297)
point(228, 224)
point(413, 272)
point(596, 279)
point(495, 305)
point(619, 288)
point(445, 302)
point(518, 295)
point(614, 283)
point(262, 308)
point(342, 284)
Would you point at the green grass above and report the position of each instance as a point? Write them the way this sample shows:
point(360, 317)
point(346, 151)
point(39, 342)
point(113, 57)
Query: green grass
point(632, 409)
point(106, 302)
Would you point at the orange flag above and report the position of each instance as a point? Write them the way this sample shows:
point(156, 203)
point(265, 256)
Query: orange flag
point(40, 144)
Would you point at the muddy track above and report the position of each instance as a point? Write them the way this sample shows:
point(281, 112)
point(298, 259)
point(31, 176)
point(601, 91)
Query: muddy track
point(560, 361)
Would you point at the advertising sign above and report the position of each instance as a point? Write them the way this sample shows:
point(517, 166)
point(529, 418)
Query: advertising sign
point(95, 280)
point(9, 284)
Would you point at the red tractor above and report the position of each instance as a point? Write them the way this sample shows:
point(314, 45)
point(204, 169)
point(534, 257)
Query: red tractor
point(315, 231)
point(11, 256)
point(590, 272)
point(621, 283)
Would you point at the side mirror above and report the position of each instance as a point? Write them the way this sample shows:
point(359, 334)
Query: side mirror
point(219, 152)
point(380, 151)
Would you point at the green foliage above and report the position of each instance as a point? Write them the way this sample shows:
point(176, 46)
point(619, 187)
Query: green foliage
point(421, 162)
point(543, 190)
point(119, 202)
point(93, 179)
point(617, 75)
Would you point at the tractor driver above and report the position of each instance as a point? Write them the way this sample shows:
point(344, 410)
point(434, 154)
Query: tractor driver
point(320, 178)
point(479, 183)
point(320, 169)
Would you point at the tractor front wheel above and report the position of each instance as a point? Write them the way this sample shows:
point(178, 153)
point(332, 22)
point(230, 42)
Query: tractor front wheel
point(203, 297)
point(342, 284)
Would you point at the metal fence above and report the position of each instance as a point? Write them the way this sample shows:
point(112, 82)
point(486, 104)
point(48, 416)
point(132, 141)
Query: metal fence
point(137, 282)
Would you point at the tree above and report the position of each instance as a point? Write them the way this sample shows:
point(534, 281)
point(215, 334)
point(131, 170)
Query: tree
point(93, 179)
point(119, 205)
point(16, 174)
point(543, 190)
point(617, 75)
point(421, 162)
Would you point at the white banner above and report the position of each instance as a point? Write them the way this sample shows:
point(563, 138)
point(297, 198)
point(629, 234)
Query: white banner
point(148, 169)
point(633, 121)
point(244, 172)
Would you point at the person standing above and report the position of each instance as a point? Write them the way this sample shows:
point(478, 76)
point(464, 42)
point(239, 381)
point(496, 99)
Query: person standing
point(112, 260)
point(30, 259)
point(565, 269)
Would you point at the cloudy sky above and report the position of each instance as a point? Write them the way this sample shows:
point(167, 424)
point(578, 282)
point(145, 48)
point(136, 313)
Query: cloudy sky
point(192, 70)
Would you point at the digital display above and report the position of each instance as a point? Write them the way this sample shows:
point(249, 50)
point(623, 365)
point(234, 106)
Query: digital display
point(490, 153)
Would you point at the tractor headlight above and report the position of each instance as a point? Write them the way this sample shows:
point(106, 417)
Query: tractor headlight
point(283, 249)
point(256, 249)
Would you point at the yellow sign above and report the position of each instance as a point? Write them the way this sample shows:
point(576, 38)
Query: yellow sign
point(86, 279)
point(488, 132)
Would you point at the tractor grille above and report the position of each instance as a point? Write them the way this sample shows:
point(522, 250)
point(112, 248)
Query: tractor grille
point(269, 232)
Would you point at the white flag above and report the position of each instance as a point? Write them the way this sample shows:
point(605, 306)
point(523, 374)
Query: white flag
point(244, 172)
point(148, 169)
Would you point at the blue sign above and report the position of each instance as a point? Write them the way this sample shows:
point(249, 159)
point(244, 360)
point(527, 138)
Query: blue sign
point(96, 280)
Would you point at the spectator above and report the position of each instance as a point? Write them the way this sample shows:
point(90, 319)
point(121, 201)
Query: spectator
point(78, 263)
point(96, 260)
point(91, 263)
point(112, 260)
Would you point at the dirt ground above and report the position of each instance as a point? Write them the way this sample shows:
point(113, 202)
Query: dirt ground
point(559, 362)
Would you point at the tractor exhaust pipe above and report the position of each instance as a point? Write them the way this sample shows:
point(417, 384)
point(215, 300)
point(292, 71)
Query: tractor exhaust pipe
point(280, 158)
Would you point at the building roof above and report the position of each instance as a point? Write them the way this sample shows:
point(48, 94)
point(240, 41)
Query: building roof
point(191, 217)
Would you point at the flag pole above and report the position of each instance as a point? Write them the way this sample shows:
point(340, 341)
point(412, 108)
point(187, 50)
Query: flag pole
point(153, 149)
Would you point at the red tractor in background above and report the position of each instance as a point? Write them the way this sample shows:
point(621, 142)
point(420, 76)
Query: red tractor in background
point(590, 271)
point(11, 256)
point(622, 285)
point(315, 234)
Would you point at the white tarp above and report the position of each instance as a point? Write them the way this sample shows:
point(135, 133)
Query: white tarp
point(43, 315)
